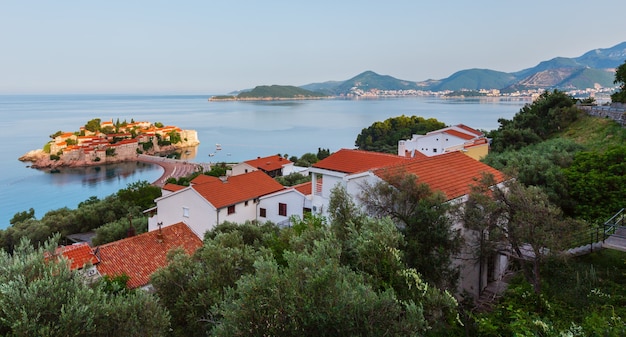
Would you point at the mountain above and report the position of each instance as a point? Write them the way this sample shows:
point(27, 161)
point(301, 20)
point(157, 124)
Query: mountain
point(593, 69)
point(476, 79)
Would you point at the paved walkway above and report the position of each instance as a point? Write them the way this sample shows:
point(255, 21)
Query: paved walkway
point(616, 241)
point(173, 168)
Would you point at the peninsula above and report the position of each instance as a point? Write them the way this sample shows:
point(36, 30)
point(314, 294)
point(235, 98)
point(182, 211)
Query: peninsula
point(106, 142)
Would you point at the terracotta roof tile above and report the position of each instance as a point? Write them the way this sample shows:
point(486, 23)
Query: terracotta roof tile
point(451, 173)
point(471, 130)
point(140, 256)
point(203, 178)
point(173, 187)
point(461, 135)
point(270, 163)
point(354, 161)
point(237, 188)
point(78, 254)
point(304, 188)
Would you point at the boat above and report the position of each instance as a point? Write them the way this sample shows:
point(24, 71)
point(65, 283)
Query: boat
point(218, 147)
point(211, 154)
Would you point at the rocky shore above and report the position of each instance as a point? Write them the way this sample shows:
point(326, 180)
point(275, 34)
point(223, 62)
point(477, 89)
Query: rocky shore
point(41, 160)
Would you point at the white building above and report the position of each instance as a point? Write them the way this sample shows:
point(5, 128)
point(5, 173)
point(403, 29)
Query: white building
point(449, 139)
point(451, 173)
point(274, 166)
point(209, 201)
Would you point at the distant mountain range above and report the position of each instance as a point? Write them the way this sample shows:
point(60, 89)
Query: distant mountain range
point(593, 69)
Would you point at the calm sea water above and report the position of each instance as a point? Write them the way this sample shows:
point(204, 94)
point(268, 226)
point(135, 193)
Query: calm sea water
point(245, 130)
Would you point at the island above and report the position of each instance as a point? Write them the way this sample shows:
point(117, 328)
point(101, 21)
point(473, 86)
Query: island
point(270, 93)
point(105, 142)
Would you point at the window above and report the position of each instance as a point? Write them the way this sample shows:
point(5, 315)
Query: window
point(282, 209)
point(434, 150)
point(231, 209)
point(186, 212)
point(262, 212)
point(245, 203)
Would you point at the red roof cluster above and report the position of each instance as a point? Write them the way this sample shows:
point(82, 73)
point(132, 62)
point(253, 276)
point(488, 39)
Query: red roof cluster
point(234, 189)
point(270, 163)
point(354, 161)
point(451, 173)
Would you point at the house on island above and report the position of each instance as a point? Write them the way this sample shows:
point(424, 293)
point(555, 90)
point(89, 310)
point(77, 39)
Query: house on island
point(138, 256)
point(274, 166)
point(450, 139)
point(209, 201)
point(451, 173)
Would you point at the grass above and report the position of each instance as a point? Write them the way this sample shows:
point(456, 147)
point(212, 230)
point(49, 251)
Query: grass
point(595, 133)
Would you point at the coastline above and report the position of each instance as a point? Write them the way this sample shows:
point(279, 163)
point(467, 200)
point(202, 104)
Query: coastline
point(172, 168)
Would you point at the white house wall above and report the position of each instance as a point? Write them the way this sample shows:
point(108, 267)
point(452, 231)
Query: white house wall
point(430, 145)
point(242, 213)
point(241, 168)
point(185, 206)
point(294, 200)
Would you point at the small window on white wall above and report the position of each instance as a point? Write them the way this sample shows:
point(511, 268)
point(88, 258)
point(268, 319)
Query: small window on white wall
point(186, 212)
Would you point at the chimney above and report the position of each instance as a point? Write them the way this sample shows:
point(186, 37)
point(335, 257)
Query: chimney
point(160, 233)
point(224, 179)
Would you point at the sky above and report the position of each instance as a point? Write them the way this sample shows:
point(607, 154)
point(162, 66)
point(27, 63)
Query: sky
point(210, 47)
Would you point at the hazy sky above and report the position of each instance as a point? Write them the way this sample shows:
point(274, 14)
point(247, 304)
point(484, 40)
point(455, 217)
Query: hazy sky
point(211, 47)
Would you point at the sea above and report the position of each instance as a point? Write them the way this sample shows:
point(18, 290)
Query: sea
point(242, 129)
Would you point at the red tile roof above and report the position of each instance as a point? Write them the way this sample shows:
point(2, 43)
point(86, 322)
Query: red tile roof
point(354, 161)
point(461, 135)
point(173, 187)
point(203, 179)
point(471, 130)
point(140, 256)
point(237, 188)
point(304, 188)
point(270, 163)
point(451, 173)
point(78, 254)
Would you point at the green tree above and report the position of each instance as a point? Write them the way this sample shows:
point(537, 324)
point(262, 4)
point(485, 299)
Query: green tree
point(548, 114)
point(541, 165)
point(293, 179)
point(314, 295)
point(307, 160)
point(422, 217)
point(620, 79)
point(523, 218)
point(93, 125)
point(192, 287)
point(23, 216)
point(384, 136)
point(597, 183)
point(40, 296)
point(140, 194)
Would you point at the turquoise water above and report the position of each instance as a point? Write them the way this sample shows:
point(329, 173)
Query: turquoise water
point(245, 130)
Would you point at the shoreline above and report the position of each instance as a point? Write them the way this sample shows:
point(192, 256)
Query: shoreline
point(172, 168)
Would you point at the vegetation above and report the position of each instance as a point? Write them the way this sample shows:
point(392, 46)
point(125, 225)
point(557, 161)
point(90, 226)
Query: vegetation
point(620, 79)
point(107, 215)
point(536, 122)
point(384, 136)
point(421, 216)
point(40, 296)
point(279, 91)
point(307, 280)
point(584, 296)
